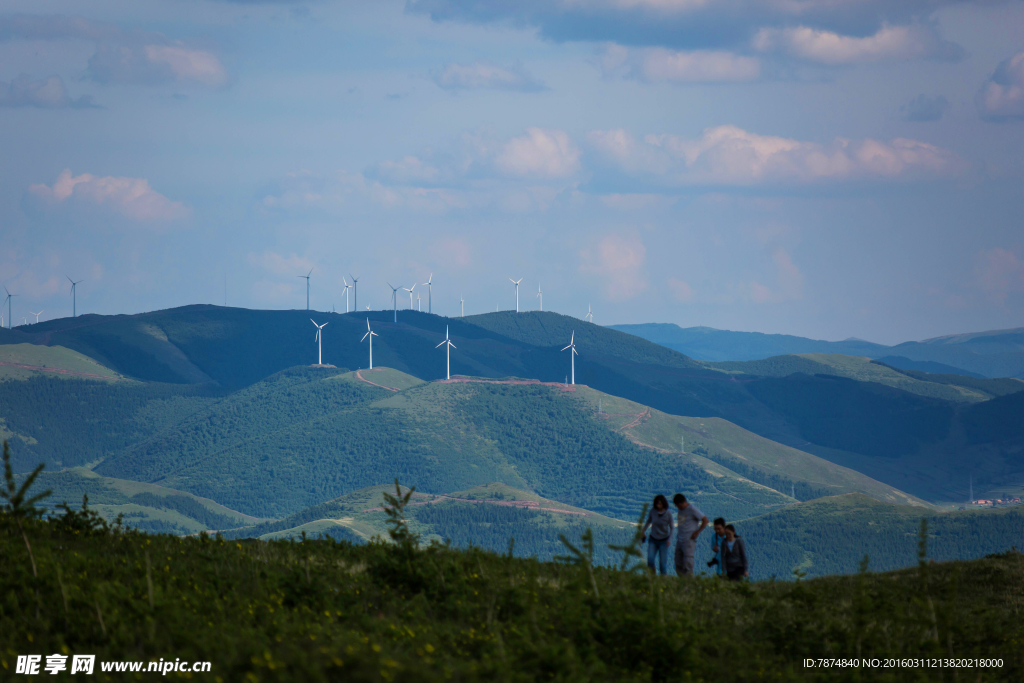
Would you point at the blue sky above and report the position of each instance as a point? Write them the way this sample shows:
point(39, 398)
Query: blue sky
point(828, 168)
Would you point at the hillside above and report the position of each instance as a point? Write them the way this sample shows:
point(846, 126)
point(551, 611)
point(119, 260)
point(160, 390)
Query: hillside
point(487, 516)
point(21, 361)
point(283, 611)
point(147, 507)
point(998, 353)
point(819, 404)
point(832, 535)
point(442, 436)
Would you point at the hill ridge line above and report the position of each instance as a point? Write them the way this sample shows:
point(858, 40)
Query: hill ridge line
point(60, 371)
point(528, 504)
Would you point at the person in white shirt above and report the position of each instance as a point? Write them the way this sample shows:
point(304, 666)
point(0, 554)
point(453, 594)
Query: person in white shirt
point(691, 522)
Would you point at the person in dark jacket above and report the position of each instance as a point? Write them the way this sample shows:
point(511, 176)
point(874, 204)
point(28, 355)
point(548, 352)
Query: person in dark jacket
point(734, 554)
point(717, 543)
point(659, 521)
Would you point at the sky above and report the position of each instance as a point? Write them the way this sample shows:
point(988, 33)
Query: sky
point(825, 168)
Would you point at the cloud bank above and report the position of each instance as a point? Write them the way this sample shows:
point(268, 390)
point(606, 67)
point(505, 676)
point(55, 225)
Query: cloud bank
point(48, 93)
point(132, 198)
point(1002, 96)
point(729, 155)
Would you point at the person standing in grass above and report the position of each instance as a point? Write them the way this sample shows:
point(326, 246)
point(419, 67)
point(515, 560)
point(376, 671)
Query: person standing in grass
point(716, 547)
point(691, 522)
point(659, 521)
point(734, 552)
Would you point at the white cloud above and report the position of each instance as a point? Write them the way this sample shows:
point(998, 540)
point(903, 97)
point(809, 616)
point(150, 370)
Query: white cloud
point(541, 153)
point(890, 43)
point(618, 264)
point(653, 65)
point(732, 156)
point(130, 197)
point(1002, 96)
point(150, 63)
point(123, 56)
point(49, 93)
point(483, 75)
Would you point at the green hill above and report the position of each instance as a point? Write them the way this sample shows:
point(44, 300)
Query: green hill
point(868, 417)
point(441, 436)
point(832, 535)
point(485, 516)
point(21, 361)
point(996, 353)
point(147, 507)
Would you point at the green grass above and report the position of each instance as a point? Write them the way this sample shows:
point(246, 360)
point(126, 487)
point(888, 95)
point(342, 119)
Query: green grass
point(146, 506)
point(865, 370)
point(831, 535)
point(284, 611)
point(54, 359)
point(728, 444)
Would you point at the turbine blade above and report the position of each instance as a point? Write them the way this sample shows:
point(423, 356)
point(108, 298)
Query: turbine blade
point(364, 337)
point(567, 347)
point(440, 345)
point(452, 345)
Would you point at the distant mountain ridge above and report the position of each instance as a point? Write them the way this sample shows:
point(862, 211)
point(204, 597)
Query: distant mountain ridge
point(996, 353)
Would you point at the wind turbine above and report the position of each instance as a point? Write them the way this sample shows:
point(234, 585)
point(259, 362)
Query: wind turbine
point(462, 302)
point(430, 293)
point(319, 342)
point(10, 319)
point(409, 289)
point(589, 316)
point(394, 299)
point(307, 287)
point(74, 297)
point(355, 292)
point(371, 334)
point(448, 352)
point(540, 295)
point(573, 354)
point(516, 283)
point(345, 289)
point(419, 304)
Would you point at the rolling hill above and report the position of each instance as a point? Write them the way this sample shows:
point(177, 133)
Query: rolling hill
point(998, 353)
point(817, 403)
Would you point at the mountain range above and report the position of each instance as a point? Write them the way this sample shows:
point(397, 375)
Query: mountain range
point(209, 418)
point(997, 353)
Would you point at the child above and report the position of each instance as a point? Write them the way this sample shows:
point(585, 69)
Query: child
point(734, 555)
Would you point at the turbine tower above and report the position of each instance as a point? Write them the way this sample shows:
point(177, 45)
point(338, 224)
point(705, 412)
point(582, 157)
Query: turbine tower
point(319, 342)
point(371, 334)
point(307, 286)
point(345, 289)
point(430, 293)
point(74, 297)
point(419, 303)
point(589, 317)
point(409, 289)
point(394, 300)
point(448, 353)
point(540, 295)
point(573, 354)
point(462, 302)
point(516, 283)
point(355, 292)
point(10, 319)
point(37, 315)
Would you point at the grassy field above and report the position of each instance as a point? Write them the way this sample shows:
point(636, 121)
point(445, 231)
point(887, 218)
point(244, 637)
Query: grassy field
point(728, 444)
point(55, 361)
point(326, 611)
